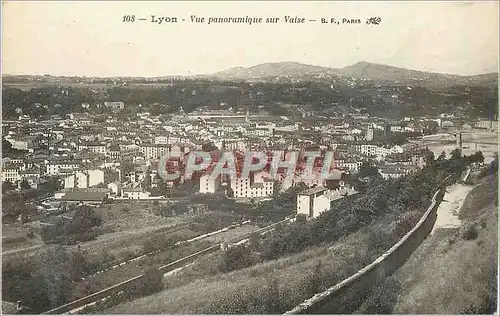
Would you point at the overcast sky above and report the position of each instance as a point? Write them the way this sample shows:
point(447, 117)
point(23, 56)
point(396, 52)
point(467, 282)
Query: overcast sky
point(89, 38)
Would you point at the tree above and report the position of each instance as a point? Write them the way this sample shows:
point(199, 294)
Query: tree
point(368, 170)
point(236, 258)
point(7, 186)
point(9, 151)
point(456, 163)
point(55, 271)
point(77, 265)
point(151, 282)
point(25, 185)
point(6, 145)
point(277, 187)
point(14, 205)
point(456, 154)
point(273, 302)
point(52, 185)
point(428, 157)
point(254, 241)
point(316, 280)
point(478, 157)
point(84, 219)
point(127, 168)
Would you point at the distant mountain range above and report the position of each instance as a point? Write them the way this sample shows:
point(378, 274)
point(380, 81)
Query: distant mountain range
point(283, 69)
point(378, 73)
point(360, 70)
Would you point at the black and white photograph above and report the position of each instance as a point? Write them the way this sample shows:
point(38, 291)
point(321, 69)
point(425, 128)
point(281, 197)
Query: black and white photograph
point(249, 157)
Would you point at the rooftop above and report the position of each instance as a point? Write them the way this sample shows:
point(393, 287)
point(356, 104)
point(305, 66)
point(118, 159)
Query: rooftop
point(84, 196)
point(313, 191)
point(133, 190)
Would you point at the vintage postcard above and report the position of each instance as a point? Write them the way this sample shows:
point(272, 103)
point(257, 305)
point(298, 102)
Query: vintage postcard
point(243, 157)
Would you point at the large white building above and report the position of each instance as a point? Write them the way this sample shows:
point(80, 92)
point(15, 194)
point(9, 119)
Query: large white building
point(53, 167)
point(396, 171)
point(261, 189)
point(93, 147)
point(153, 151)
point(21, 144)
point(209, 184)
point(10, 172)
point(312, 202)
point(245, 188)
point(115, 105)
point(135, 193)
point(373, 150)
point(491, 125)
point(84, 179)
point(352, 166)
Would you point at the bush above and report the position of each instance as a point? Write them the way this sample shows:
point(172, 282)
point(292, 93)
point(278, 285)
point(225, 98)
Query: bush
point(315, 282)
point(150, 283)
point(126, 255)
point(382, 298)
point(301, 218)
point(82, 227)
point(148, 246)
point(238, 257)
point(31, 234)
point(470, 233)
point(254, 241)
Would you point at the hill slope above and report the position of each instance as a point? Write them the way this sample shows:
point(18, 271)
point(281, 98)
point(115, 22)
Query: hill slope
point(282, 69)
point(360, 70)
point(453, 271)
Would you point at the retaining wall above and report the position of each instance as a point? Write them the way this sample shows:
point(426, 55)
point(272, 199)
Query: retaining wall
point(327, 302)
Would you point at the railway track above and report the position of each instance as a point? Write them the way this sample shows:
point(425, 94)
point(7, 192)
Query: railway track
point(130, 283)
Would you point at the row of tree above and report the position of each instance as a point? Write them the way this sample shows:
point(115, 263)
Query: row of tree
point(80, 228)
point(45, 283)
point(191, 94)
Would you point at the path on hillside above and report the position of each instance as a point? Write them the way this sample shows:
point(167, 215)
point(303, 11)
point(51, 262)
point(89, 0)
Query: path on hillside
point(447, 212)
point(432, 279)
point(21, 250)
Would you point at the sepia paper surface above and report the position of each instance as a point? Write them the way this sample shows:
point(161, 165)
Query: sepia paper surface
point(243, 157)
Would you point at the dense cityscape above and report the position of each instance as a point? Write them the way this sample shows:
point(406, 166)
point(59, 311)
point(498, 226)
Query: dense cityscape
point(279, 158)
point(84, 194)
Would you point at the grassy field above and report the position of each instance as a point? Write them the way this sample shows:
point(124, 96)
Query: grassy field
point(454, 271)
point(202, 288)
point(123, 225)
point(16, 235)
point(125, 228)
point(132, 269)
point(122, 273)
point(131, 231)
point(124, 217)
